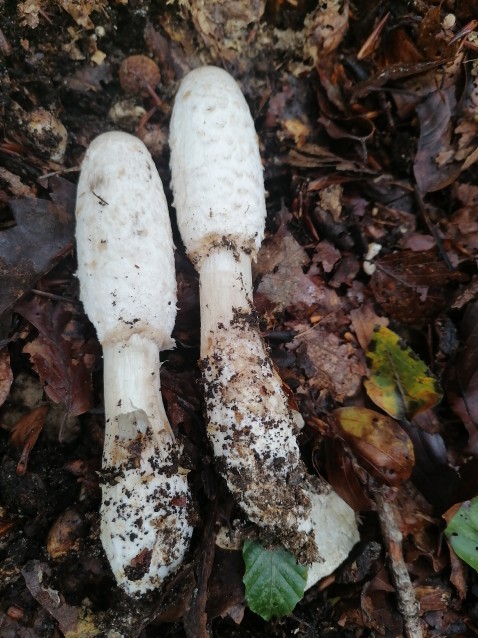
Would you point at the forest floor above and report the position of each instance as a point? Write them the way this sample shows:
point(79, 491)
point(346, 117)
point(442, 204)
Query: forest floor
point(367, 118)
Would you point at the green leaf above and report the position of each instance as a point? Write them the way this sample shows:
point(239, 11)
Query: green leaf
point(274, 581)
point(399, 382)
point(462, 532)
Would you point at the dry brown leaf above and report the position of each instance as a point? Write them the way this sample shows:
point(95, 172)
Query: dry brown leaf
point(284, 284)
point(330, 363)
point(413, 287)
point(26, 432)
point(364, 319)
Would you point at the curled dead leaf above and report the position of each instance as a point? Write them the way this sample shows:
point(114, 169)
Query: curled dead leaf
point(25, 434)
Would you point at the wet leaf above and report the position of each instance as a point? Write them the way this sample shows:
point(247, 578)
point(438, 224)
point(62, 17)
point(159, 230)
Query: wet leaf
point(378, 442)
point(462, 532)
point(399, 382)
point(274, 581)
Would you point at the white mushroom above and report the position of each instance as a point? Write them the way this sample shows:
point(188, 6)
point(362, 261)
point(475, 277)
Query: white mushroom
point(220, 201)
point(128, 288)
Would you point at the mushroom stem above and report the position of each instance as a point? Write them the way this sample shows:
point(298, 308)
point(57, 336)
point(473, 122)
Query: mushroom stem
point(132, 381)
point(230, 276)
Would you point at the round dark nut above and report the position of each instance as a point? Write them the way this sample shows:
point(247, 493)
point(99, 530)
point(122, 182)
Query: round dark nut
point(137, 72)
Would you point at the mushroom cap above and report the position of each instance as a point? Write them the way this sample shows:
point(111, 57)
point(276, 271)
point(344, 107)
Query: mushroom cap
point(217, 174)
point(124, 243)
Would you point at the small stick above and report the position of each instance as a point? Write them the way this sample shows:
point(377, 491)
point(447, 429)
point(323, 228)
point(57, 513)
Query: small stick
point(406, 600)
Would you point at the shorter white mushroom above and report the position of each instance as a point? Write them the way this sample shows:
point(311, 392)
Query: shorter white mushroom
point(128, 288)
point(219, 197)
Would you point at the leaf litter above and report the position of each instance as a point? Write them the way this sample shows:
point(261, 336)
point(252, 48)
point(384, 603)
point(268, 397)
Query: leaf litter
point(367, 120)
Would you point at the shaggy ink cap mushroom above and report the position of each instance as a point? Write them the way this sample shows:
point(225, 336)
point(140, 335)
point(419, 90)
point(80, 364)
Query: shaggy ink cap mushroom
point(128, 288)
point(217, 181)
point(219, 197)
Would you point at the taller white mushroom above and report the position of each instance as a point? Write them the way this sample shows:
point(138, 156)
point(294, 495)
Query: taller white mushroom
point(219, 196)
point(128, 288)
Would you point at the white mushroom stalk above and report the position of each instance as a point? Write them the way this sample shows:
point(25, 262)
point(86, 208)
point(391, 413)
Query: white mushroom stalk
point(218, 187)
point(128, 288)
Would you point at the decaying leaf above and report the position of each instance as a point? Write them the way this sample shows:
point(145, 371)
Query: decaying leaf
point(378, 442)
point(330, 364)
point(74, 622)
point(60, 354)
point(399, 382)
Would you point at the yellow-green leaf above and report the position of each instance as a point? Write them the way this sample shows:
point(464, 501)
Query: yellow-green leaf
point(381, 446)
point(399, 383)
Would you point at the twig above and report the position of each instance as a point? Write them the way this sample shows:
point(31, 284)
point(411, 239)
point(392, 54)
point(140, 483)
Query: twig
point(406, 599)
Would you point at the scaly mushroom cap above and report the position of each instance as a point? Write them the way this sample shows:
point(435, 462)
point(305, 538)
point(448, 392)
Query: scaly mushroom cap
point(217, 175)
point(124, 290)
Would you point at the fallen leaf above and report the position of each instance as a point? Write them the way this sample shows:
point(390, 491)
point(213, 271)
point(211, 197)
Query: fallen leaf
point(412, 287)
point(325, 28)
point(343, 473)
point(274, 581)
point(433, 597)
point(43, 234)
point(284, 284)
point(330, 363)
point(89, 78)
point(60, 354)
point(25, 433)
point(381, 446)
point(462, 531)
point(74, 622)
point(459, 573)
point(364, 319)
point(327, 255)
point(399, 382)
point(225, 587)
point(434, 114)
